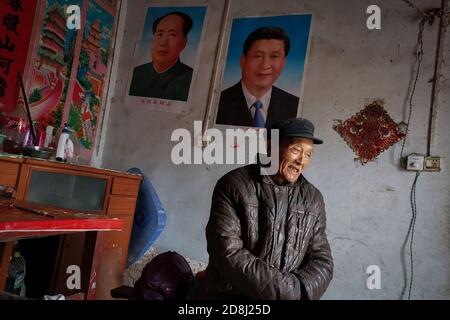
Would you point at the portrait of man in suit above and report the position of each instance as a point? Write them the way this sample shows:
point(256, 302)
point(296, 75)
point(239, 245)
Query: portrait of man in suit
point(255, 100)
point(165, 77)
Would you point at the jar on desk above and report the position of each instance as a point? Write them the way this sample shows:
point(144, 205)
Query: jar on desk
point(15, 131)
point(39, 136)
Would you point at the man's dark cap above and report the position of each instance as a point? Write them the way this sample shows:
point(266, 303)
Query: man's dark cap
point(296, 127)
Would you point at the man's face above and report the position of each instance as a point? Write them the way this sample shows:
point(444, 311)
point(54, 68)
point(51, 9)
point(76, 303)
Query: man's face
point(263, 64)
point(294, 158)
point(168, 41)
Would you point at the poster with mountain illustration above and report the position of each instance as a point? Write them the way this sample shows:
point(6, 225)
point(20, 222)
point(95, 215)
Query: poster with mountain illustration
point(52, 63)
point(91, 76)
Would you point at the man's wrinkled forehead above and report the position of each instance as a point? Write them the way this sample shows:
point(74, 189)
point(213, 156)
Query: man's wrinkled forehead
point(303, 143)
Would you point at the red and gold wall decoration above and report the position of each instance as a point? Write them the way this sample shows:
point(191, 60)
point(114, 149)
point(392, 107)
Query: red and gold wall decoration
point(370, 132)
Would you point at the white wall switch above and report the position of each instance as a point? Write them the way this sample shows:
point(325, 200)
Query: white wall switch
point(415, 162)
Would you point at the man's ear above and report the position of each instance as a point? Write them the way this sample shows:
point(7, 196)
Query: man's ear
point(185, 42)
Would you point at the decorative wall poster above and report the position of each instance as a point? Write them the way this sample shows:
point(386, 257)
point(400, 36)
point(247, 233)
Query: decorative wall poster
point(370, 131)
point(16, 19)
point(90, 77)
point(52, 64)
point(264, 70)
point(165, 57)
point(111, 4)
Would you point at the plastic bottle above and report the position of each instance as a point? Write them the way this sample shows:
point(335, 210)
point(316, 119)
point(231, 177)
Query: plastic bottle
point(48, 136)
point(63, 140)
point(15, 282)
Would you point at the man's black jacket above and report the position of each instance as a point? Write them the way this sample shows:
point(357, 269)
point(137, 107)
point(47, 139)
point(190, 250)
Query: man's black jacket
point(266, 241)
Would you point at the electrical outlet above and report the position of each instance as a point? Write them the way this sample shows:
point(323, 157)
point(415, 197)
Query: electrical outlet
point(432, 164)
point(415, 162)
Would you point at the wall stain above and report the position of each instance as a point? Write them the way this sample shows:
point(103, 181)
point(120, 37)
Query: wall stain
point(350, 239)
point(388, 188)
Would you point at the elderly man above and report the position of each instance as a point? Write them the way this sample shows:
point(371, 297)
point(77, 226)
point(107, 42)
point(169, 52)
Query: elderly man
point(166, 77)
point(266, 234)
point(254, 101)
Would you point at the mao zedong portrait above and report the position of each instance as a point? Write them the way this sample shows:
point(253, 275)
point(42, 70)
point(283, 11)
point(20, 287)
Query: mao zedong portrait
point(166, 77)
point(254, 101)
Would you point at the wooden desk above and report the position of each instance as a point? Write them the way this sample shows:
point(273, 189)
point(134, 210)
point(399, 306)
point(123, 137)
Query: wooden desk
point(101, 255)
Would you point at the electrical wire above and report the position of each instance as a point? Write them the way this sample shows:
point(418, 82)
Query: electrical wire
point(409, 3)
point(419, 56)
point(426, 16)
point(410, 233)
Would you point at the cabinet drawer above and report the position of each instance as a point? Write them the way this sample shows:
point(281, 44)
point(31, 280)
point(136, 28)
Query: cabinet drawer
point(126, 187)
point(121, 205)
point(8, 173)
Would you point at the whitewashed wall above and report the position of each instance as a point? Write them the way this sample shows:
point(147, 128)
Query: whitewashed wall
point(368, 207)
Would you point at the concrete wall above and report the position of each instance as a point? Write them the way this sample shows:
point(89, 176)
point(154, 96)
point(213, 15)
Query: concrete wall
point(368, 207)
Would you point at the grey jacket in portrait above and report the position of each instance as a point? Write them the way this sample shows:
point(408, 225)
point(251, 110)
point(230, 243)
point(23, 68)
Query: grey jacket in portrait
point(172, 84)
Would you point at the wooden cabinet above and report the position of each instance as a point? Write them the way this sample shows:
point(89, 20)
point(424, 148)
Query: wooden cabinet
point(114, 256)
point(9, 172)
point(100, 255)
